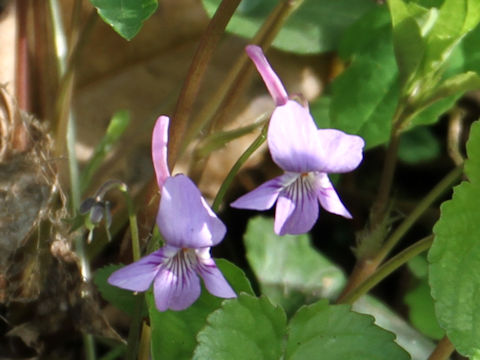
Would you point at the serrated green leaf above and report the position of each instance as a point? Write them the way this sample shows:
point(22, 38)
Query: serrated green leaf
point(243, 328)
point(455, 257)
point(125, 300)
point(290, 271)
point(174, 332)
point(126, 17)
point(315, 27)
point(421, 311)
point(418, 346)
point(337, 333)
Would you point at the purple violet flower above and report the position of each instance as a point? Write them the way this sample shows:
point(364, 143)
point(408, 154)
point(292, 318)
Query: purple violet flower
point(306, 154)
point(189, 228)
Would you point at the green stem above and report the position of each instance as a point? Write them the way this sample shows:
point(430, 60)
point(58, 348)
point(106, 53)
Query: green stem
point(132, 217)
point(444, 349)
point(222, 102)
point(134, 331)
point(144, 351)
point(365, 267)
point(191, 87)
point(424, 204)
point(69, 135)
point(387, 268)
point(237, 78)
point(236, 167)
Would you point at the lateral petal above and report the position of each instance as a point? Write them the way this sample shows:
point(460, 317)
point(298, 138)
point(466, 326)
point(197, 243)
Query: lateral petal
point(184, 217)
point(328, 197)
point(261, 198)
point(139, 275)
point(213, 279)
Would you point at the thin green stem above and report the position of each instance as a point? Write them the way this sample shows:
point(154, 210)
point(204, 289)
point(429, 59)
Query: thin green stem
point(144, 351)
point(365, 267)
point(222, 102)
point(264, 38)
point(387, 268)
point(132, 217)
point(444, 349)
point(69, 134)
point(424, 204)
point(135, 327)
point(191, 87)
point(236, 167)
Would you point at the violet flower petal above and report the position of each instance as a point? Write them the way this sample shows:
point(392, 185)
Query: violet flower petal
point(184, 218)
point(139, 275)
point(292, 139)
point(174, 290)
point(297, 209)
point(159, 150)
point(328, 197)
point(341, 152)
point(261, 198)
point(213, 278)
point(270, 78)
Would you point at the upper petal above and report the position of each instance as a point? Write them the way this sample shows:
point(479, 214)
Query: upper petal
point(261, 198)
point(293, 140)
point(212, 277)
point(177, 286)
point(341, 152)
point(328, 197)
point(159, 149)
point(139, 275)
point(184, 217)
point(271, 80)
point(297, 208)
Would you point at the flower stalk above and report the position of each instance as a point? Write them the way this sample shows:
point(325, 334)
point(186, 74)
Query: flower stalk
point(367, 266)
point(386, 269)
point(191, 87)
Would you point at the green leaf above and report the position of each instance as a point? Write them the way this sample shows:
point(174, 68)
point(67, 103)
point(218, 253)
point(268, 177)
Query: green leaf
point(243, 328)
point(418, 346)
point(456, 18)
point(174, 332)
point(457, 84)
point(126, 17)
point(125, 300)
point(470, 53)
point(418, 145)
point(455, 257)
point(290, 271)
point(432, 114)
point(407, 39)
point(117, 126)
point(421, 311)
point(315, 27)
point(320, 111)
point(365, 95)
point(337, 333)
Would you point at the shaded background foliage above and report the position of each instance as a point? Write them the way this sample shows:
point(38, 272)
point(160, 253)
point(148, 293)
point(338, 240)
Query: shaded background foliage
point(343, 57)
